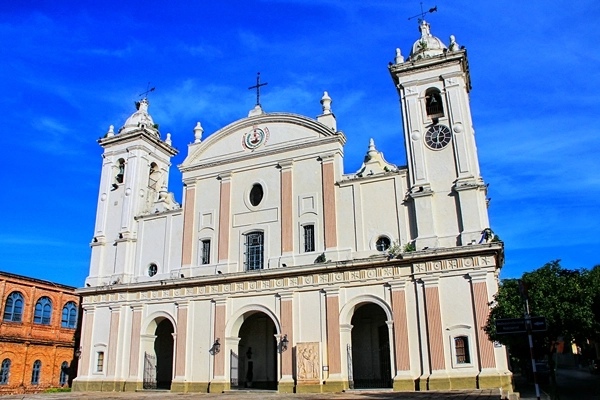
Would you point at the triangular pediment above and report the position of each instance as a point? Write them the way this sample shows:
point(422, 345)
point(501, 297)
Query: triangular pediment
point(255, 135)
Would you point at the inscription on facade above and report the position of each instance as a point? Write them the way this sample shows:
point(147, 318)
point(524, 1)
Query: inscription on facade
point(458, 263)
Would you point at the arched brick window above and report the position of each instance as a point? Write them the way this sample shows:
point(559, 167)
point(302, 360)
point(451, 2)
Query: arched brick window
point(35, 372)
point(5, 372)
point(64, 373)
point(43, 311)
point(13, 310)
point(69, 315)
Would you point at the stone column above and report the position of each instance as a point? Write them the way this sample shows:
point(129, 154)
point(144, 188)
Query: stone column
point(329, 208)
point(219, 383)
point(438, 380)
point(134, 349)
point(403, 379)
point(113, 340)
point(180, 347)
point(286, 384)
point(334, 382)
point(224, 218)
point(188, 225)
point(287, 215)
point(86, 348)
point(488, 376)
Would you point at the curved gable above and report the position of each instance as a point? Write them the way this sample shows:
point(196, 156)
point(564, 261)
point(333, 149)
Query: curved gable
point(253, 135)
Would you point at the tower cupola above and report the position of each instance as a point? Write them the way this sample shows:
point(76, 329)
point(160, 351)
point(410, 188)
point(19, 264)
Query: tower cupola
point(427, 45)
point(140, 120)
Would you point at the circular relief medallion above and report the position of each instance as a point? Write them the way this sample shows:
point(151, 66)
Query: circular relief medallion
point(255, 137)
point(438, 137)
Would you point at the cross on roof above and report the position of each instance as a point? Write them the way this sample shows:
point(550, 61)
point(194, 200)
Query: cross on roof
point(257, 87)
point(423, 13)
point(148, 90)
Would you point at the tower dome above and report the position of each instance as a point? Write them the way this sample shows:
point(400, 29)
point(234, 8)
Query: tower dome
point(140, 120)
point(427, 45)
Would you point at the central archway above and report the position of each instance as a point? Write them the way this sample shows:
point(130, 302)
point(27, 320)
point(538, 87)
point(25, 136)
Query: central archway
point(257, 352)
point(371, 362)
point(163, 348)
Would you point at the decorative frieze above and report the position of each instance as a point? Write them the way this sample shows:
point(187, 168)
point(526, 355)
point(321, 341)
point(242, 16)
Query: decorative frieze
point(382, 273)
point(452, 264)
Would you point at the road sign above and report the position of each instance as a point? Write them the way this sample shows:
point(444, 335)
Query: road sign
point(510, 325)
point(518, 325)
point(538, 324)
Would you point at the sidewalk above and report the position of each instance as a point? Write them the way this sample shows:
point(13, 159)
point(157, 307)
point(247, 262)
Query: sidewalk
point(488, 394)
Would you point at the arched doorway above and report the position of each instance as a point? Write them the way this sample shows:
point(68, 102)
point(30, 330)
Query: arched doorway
point(257, 353)
point(371, 363)
point(163, 348)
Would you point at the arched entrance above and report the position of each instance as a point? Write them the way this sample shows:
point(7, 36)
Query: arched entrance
point(371, 362)
point(163, 348)
point(257, 353)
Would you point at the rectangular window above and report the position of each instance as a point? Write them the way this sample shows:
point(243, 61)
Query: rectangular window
point(309, 238)
point(461, 346)
point(206, 252)
point(254, 250)
point(100, 363)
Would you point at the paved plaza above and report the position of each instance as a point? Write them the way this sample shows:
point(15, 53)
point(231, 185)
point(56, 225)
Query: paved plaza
point(487, 394)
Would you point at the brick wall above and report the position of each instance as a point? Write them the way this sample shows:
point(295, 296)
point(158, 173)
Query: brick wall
point(25, 342)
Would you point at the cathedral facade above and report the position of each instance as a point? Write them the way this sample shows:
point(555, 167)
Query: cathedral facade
point(280, 271)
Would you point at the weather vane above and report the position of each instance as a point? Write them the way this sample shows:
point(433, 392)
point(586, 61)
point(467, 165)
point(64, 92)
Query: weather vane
point(257, 87)
point(148, 90)
point(423, 13)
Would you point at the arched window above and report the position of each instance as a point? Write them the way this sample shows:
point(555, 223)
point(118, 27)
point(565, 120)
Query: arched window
point(35, 372)
point(461, 346)
point(121, 171)
point(254, 250)
point(13, 310)
point(5, 372)
point(64, 373)
point(383, 243)
point(43, 311)
point(69, 315)
point(433, 103)
point(153, 176)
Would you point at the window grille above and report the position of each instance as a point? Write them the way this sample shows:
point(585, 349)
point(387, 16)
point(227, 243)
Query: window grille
point(43, 311)
point(69, 315)
point(206, 252)
point(100, 362)
point(461, 346)
point(13, 310)
point(254, 250)
point(383, 243)
point(35, 372)
point(5, 372)
point(309, 238)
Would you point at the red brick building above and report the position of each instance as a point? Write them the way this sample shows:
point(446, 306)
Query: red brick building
point(39, 333)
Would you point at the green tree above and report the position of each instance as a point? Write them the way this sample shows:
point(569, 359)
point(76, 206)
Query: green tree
point(565, 297)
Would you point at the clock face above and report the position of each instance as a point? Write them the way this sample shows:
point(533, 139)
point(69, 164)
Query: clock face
point(438, 137)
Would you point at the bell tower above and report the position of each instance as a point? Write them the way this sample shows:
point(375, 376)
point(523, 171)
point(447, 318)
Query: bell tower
point(134, 179)
point(447, 192)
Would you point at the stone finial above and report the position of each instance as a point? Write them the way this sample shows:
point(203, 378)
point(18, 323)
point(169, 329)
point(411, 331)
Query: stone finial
point(198, 133)
point(372, 151)
point(111, 131)
point(143, 106)
point(399, 59)
point(453, 46)
point(168, 139)
point(326, 103)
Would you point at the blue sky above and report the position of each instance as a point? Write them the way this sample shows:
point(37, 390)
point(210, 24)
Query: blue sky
point(71, 69)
